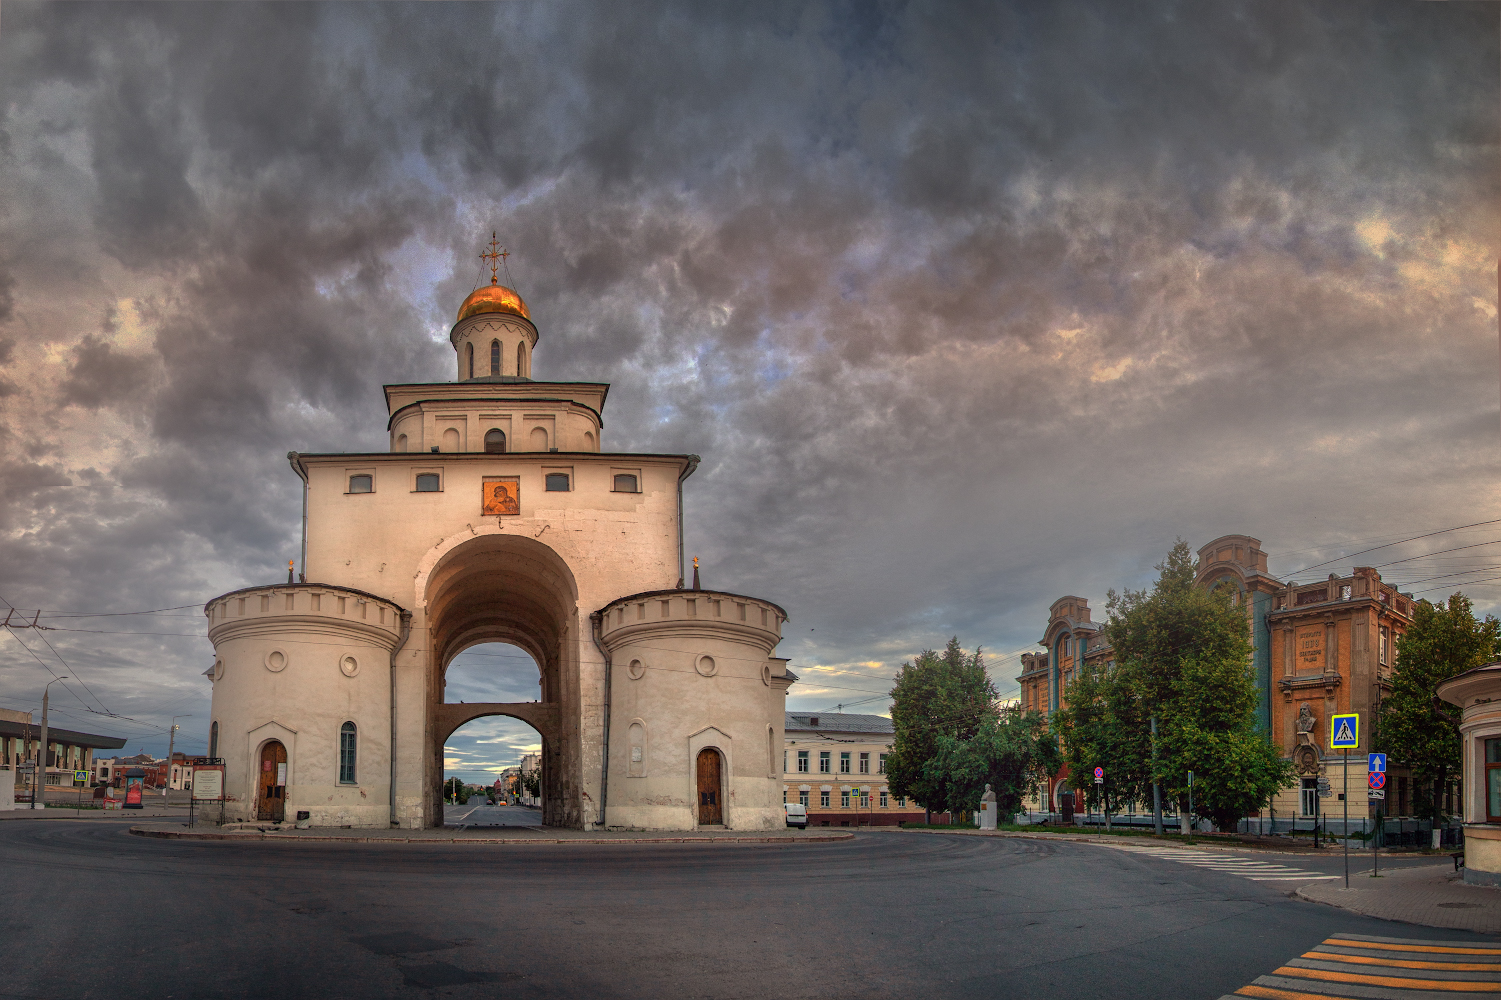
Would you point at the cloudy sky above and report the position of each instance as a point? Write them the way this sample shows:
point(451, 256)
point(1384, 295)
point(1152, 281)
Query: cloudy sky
point(966, 308)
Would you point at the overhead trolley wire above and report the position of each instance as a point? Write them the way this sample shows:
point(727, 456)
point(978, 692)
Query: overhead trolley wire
point(1388, 545)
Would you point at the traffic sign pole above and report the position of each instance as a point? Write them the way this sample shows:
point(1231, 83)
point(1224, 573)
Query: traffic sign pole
point(1346, 797)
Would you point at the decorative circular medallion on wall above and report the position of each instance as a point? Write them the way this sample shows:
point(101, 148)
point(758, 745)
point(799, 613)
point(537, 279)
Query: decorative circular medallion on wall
point(276, 661)
point(349, 666)
point(218, 669)
point(636, 669)
point(766, 674)
point(705, 665)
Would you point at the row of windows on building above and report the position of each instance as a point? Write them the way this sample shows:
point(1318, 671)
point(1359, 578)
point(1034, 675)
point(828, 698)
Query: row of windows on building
point(826, 762)
point(856, 798)
point(348, 736)
point(495, 358)
point(554, 482)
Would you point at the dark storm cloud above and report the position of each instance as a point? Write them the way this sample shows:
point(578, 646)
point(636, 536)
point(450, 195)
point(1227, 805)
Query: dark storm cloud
point(965, 307)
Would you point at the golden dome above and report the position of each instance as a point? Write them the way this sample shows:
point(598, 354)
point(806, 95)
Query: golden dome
point(492, 298)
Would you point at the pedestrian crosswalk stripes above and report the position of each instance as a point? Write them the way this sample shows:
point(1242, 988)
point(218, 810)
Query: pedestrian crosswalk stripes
point(1382, 968)
point(1255, 870)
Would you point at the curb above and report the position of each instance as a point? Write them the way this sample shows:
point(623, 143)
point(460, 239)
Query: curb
point(1085, 838)
point(138, 831)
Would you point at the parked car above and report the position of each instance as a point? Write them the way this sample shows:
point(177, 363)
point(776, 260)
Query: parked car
point(797, 814)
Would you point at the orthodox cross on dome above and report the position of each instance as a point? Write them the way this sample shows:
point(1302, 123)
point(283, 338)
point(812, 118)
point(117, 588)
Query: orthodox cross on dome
point(493, 256)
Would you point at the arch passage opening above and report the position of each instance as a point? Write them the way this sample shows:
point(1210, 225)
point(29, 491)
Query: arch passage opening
point(494, 603)
point(492, 764)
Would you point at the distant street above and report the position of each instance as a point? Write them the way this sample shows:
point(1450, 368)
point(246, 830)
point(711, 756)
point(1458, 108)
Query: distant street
point(93, 912)
point(477, 813)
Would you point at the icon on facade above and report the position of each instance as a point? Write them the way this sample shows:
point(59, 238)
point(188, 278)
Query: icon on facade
point(501, 498)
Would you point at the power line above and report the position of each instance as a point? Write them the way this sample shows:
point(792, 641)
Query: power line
point(60, 659)
point(1388, 545)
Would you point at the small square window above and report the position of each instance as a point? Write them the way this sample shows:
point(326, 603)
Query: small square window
point(428, 482)
point(362, 484)
point(557, 482)
point(626, 483)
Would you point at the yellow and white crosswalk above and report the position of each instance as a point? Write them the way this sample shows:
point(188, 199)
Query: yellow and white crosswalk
point(1382, 968)
point(1256, 871)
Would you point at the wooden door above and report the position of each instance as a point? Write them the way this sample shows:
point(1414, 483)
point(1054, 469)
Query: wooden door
point(272, 801)
point(710, 809)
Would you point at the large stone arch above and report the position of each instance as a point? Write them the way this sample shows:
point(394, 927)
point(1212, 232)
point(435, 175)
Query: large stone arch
point(497, 587)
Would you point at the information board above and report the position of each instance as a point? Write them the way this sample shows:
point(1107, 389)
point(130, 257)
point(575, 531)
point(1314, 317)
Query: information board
point(208, 782)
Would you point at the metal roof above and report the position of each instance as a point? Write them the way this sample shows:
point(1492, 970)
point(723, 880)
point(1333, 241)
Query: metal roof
point(837, 722)
point(65, 736)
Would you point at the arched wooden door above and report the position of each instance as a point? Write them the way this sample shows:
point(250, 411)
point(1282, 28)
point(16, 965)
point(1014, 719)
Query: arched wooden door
point(272, 800)
point(710, 806)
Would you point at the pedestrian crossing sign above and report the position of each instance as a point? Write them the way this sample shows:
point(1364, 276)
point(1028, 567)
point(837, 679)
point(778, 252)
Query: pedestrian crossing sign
point(1344, 731)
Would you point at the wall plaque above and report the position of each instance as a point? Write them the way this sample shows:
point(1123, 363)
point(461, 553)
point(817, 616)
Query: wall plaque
point(1310, 640)
point(501, 497)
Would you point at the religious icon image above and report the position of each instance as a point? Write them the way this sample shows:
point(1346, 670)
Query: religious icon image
point(502, 498)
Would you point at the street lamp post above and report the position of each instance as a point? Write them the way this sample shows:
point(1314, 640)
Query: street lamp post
point(171, 742)
point(39, 793)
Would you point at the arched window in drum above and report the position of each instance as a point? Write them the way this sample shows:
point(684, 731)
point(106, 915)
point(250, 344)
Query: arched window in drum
point(494, 357)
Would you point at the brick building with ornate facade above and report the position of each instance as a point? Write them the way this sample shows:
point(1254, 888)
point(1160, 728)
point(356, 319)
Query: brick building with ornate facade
point(1318, 649)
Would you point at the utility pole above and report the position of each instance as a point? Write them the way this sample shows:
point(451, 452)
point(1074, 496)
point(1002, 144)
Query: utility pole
point(39, 795)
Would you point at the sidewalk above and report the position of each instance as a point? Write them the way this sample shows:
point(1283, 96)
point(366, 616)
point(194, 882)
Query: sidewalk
point(472, 835)
point(1435, 896)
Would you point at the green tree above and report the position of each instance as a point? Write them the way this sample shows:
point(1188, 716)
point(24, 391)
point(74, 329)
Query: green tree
point(935, 695)
point(1012, 751)
point(1414, 726)
point(1103, 726)
point(454, 791)
point(1183, 655)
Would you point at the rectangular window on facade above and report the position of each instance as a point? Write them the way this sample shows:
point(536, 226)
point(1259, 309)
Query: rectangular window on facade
point(844, 762)
point(802, 797)
point(626, 483)
point(864, 763)
point(428, 482)
point(1384, 645)
point(784, 795)
point(802, 761)
point(1308, 797)
point(1492, 781)
point(557, 482)
point(844, 800)
point(823, 798)
point(784, 761)
point(881, 764)
point(884, 802)
point(362, 484)
point(824, 765)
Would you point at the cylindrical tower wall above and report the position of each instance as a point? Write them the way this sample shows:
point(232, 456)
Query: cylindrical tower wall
point(294, 664)
point(501, 343)
point(692, 670)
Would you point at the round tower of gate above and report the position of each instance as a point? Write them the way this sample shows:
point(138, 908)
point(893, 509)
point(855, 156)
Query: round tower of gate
point(301, 710)
point(697, 703)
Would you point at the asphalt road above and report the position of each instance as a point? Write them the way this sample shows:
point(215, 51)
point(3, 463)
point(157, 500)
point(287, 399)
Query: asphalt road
point(476, 813)
point(90, 911)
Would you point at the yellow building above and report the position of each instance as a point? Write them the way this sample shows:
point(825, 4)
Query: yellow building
point(834, 763)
